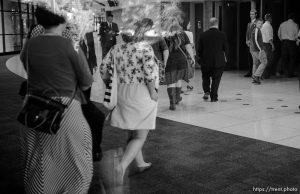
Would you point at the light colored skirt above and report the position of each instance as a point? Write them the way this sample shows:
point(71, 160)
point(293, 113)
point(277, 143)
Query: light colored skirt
point(135, 109)
point(62, 162)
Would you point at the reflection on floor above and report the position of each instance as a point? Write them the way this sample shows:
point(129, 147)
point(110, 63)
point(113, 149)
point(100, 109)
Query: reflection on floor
point(268, 112)
point(188, 156)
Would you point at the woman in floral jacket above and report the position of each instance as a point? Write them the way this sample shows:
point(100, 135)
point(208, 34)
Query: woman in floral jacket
point(137, 80)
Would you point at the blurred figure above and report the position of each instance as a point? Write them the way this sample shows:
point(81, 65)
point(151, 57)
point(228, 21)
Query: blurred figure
point(177, 65)
point(187, 28)
point(250, 28)
point(259, 53)
point(60, 163)
point(287, 33)
point(267, 36)
point(108, 32)
point(213, 51)
point(158, 44)
point(137, 83)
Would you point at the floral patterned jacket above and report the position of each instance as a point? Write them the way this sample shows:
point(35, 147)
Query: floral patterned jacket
point(135, 63)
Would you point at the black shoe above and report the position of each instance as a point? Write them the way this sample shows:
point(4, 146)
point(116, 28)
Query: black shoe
point(214, 100)
point(206, 96)
point(248, 75)
point(189, 87)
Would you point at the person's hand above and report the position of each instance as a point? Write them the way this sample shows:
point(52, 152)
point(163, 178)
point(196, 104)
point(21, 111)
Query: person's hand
point(154, 96)
point(248, 43)
point(273, 48)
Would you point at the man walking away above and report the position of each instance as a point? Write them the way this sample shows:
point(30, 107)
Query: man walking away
point(287, 33)
point(213, 51)
point(267, 36)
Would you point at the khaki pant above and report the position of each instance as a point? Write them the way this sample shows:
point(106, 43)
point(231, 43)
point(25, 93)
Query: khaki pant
point(258, 64)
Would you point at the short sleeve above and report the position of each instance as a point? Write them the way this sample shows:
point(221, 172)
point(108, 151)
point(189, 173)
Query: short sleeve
point(163, 45)
point(150, 67)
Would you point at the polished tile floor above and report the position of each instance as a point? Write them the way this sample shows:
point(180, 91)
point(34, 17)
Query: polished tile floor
point(268, 112)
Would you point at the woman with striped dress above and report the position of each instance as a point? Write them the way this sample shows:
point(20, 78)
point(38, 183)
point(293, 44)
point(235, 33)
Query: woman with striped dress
point(60, 163)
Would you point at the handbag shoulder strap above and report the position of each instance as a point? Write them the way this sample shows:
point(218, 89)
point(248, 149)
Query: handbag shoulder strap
point(182, 52)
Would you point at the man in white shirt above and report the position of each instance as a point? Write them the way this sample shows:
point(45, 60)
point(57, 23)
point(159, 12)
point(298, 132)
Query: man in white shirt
point(267, 35)
point(287, 33)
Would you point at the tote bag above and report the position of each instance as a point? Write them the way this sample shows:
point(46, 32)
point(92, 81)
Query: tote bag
point(98, 88)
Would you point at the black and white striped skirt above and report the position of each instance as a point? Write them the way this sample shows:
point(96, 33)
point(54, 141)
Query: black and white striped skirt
point(60, 163)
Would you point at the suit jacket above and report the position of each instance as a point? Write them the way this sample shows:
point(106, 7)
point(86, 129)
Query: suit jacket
point(250, 27)
point(108, 35)
point(213, 48)
point(88, 49)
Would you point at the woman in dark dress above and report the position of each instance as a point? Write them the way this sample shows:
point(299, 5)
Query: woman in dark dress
point(177, 67)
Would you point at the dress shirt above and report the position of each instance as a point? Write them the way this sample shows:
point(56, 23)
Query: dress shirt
point(288, 30)
point(267, 32)
point(109, 25)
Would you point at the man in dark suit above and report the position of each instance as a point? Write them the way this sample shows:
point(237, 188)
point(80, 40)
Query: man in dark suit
point(250, 28)
point(108, 32)
point(213, 52)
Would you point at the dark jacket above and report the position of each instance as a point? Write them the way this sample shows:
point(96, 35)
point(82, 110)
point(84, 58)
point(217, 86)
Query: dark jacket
point(213, 48)
point(250, 27)
point(108, 35)
point(89, 50)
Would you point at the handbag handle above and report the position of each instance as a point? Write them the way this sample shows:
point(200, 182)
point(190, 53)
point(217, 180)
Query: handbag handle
point(27, 69)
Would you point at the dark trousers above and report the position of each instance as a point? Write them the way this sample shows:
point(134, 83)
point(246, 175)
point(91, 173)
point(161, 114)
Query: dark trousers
point(269, 53)
point(95, 119)
point(211, 77)
point(250, 63)
point(288, 57)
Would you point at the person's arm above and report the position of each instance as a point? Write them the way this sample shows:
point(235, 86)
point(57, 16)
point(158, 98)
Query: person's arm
point(247, 35)
point(256, 39)
point(165, 56)
point(164, 48)
point(81, 68)
point(226, 48)
point(271, 37)
point(189, 49)
point(279, 33)
point(150, 72)
point(188, 46)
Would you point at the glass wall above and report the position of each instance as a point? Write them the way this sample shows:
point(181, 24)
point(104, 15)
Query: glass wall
point(15, 20)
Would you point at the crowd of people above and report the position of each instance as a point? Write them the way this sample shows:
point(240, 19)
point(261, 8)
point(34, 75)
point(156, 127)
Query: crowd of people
point(63, 163)
point(260, 40)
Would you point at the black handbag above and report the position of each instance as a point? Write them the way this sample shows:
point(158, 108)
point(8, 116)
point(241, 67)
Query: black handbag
point(190, 64)
point(42, 113)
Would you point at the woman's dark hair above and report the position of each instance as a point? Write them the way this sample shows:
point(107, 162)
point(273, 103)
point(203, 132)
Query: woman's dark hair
point(47, 18)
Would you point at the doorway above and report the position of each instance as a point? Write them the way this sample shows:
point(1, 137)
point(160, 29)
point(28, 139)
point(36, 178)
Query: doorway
point(228, 24)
